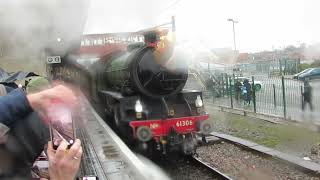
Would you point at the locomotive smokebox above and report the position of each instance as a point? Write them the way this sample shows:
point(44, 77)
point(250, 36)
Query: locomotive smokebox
point(139, 71)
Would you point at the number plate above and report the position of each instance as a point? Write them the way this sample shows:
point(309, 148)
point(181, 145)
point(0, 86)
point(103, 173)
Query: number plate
point(53, 59)
point(184, 123)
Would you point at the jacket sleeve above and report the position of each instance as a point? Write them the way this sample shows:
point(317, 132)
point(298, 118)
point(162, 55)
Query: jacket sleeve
point(13, 106)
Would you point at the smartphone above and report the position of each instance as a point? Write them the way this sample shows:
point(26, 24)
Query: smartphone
point(61, 125)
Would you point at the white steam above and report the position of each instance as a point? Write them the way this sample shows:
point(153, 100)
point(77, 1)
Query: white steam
point(27, 27)
point(107, 16)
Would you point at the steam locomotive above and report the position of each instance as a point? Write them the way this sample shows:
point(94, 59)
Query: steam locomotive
point(141, 91)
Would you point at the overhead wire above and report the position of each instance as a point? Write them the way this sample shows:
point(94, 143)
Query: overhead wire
point(163, 11)
point(170, 6)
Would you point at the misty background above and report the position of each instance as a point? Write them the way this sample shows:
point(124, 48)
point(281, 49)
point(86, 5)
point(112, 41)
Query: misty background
point(263, 24)
point(27, 27)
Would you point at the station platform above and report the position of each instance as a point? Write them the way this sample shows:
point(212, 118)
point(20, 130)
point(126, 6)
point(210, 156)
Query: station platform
point(105, 155)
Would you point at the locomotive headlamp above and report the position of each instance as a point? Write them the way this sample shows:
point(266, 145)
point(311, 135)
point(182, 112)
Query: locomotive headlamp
point(199, 102)
point(138, 115)
point(138, 107)
point(171, 112)
point(144, 133)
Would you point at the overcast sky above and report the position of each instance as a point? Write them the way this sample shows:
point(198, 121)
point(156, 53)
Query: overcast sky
point(263, 24)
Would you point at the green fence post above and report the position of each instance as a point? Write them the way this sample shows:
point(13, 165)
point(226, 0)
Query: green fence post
point(280, 67)
point(285, 67)
point(254, 96)
point(227, 84)
point(301, 91)
point(297, 65)
point(230, 89)
point(284, 98)
point(222, 84)
point(234, 85)
point(274, 96)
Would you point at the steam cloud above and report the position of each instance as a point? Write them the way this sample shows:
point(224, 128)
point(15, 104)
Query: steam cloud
point(106, 16)
point(29, 26)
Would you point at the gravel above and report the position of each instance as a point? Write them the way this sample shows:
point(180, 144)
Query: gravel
point(179, 168)
point(240, 163)
point(289, 139)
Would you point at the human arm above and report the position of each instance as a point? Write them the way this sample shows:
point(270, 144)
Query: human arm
point(41, 100)
point(13, 106)
point(17, 105)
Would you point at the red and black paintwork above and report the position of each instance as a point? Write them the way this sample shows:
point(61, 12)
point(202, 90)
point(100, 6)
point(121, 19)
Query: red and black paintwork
point(162, 127)
point(170, 131)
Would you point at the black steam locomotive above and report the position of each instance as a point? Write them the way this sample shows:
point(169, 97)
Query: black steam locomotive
point(141, 89)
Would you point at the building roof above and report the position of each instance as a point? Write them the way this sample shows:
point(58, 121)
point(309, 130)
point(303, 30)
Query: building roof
point(100, 51)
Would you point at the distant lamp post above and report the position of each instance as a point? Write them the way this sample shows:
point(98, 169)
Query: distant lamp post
point(234, 35)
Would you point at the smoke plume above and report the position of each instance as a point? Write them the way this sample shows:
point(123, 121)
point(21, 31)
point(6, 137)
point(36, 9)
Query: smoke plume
point(27, 27)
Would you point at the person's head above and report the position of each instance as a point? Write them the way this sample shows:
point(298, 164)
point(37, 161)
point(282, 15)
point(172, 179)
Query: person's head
point(245, 81)
point(37, 84)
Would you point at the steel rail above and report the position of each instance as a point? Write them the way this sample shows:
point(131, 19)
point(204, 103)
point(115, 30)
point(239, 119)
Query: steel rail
point(213, 169)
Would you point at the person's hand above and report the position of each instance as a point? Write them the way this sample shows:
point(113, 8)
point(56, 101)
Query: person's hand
point(63, 163)
point(43, 99)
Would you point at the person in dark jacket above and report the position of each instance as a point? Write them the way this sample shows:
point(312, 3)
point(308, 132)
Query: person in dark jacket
point(307, 95)
point(247, 87)
point(28, 133)
point(4, 90)
point(14, 106)
point(22, 143)
point(3, 128)
point(237, 87)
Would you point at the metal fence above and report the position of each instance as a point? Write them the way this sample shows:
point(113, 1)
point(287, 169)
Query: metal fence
point(270, 67)
point(278, 96)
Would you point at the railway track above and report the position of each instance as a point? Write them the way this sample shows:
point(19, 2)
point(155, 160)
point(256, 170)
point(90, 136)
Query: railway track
point(218, 174)
point(179, 166)
point(219, 159)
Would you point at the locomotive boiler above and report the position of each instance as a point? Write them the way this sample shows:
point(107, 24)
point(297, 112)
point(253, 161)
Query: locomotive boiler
point(140, 71)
